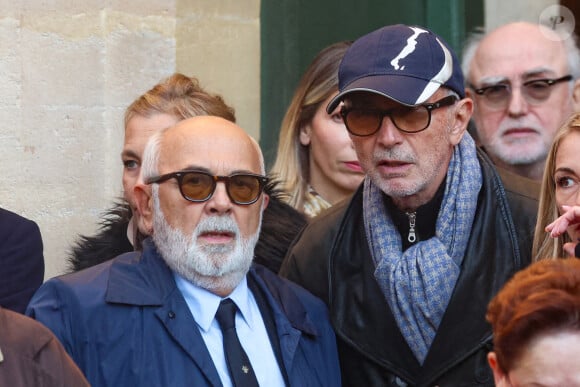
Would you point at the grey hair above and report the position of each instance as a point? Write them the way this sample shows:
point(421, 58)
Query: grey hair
point(260, 155)
point(469, 49)
point(570, 47)
point(149, 166)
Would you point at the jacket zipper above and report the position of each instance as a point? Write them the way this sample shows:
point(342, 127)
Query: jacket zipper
point(412, 218)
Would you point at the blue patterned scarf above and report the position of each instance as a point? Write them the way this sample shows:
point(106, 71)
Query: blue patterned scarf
point(418, 283)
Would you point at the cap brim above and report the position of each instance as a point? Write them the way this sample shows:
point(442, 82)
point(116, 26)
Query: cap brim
point(400, 88)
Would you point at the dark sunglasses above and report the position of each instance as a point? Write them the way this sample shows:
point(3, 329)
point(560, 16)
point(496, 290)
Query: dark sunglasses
point(361, 121)
point(199, 186)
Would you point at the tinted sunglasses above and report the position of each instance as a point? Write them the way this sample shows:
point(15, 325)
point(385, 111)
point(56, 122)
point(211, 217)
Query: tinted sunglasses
point(409, 119)
point(199, 186)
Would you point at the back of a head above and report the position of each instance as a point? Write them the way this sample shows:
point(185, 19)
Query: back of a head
point(182, 97)
point(542, 299)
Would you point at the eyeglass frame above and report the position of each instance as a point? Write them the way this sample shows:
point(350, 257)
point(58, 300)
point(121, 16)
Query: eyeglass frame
point(549, 82)
point(262, 181)
point(443, 102)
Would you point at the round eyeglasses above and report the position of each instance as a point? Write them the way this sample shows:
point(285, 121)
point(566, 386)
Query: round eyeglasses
point(535, 91)
point(199, 186)
point(360, 121)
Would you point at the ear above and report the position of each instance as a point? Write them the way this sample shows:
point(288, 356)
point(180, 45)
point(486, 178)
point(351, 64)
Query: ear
point(498, 374)
point(469, 94)
point(461, 115)
point(144, 202)
point(305, 132)
point(576, 95)
point(265, 201)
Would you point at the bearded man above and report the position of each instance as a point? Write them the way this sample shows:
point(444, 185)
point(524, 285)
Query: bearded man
point(191, 308)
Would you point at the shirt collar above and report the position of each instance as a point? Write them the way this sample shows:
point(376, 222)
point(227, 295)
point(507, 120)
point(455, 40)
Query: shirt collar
point(203, 304)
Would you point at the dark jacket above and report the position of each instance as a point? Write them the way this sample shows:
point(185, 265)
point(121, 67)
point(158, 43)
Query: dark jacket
point(280, 225)
point(125, 323)
point(21, 260)
point(333, 261)
point(30, 355)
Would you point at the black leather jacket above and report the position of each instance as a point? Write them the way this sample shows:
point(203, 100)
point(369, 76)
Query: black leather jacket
point(331, 258)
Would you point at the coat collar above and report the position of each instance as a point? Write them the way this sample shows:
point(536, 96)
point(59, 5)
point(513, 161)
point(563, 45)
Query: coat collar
point(144, 279)
point(140, 278)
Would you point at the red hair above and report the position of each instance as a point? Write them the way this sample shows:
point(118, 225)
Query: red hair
point(539, 300)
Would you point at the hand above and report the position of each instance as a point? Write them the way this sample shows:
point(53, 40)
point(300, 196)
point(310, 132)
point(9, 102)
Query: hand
point(559, 226)
point(570, 217)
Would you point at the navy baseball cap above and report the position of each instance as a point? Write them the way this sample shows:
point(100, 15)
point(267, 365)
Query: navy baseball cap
point(404, 63)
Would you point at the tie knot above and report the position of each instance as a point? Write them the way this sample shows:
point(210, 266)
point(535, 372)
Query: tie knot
point(226, 314)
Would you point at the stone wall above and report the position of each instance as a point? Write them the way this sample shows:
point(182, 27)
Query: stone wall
point(69, 68)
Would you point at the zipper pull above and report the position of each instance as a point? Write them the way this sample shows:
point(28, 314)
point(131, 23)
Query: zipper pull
point(412, 217)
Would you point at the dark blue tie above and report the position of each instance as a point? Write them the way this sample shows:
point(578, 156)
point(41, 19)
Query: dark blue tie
point(239, 365)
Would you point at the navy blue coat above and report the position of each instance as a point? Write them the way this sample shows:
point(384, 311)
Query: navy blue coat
point(21, 260)
point(125, 323)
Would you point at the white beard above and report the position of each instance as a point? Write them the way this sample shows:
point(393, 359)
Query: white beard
point(209, 266)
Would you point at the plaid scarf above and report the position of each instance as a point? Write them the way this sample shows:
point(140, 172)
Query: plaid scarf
point(418, 283)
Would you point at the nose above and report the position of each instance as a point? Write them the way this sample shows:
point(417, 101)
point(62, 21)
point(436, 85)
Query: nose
point(388, 135)
point(518, 105)
point(220, 202)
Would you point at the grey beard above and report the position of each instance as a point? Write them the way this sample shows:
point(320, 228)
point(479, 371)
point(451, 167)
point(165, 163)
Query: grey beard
point(212, 267)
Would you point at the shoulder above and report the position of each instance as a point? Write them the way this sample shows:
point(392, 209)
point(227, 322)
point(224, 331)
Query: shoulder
point(522, 193)
point(31, 354)
point(23, 333)
point(322, 229)
point(308, 258)
point(9, 217)
point(519, 186)
point(288, 293)
point(14, 226)
point(73, 289)
point(316, 239)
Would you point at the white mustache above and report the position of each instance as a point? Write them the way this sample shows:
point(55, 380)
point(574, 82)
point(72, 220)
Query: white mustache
point(511, 124)
point(217, 224)
point(395, 154)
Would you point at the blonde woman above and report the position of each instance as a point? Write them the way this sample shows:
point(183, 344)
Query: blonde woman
point(557, 232)
point(316, 160)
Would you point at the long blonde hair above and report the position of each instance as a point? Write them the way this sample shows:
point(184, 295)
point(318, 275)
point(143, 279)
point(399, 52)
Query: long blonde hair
point(317, 84)
point(545, 246)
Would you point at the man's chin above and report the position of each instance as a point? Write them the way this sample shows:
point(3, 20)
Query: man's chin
point(216, 283)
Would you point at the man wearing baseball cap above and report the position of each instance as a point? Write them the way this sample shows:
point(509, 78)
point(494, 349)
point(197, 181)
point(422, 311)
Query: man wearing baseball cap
point(408, 265)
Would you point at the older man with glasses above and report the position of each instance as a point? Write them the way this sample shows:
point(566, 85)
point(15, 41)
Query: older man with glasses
point(523, 78)
point(408, 265)
point(191, 309)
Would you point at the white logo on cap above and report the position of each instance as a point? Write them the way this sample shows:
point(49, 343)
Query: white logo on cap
point(440, 78)
point(408, 49)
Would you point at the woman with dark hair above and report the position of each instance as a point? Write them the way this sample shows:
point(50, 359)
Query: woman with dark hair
point(536, 326)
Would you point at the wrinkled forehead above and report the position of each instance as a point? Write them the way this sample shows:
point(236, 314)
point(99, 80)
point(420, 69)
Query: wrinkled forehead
point(217, 152)
point(518, 53)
